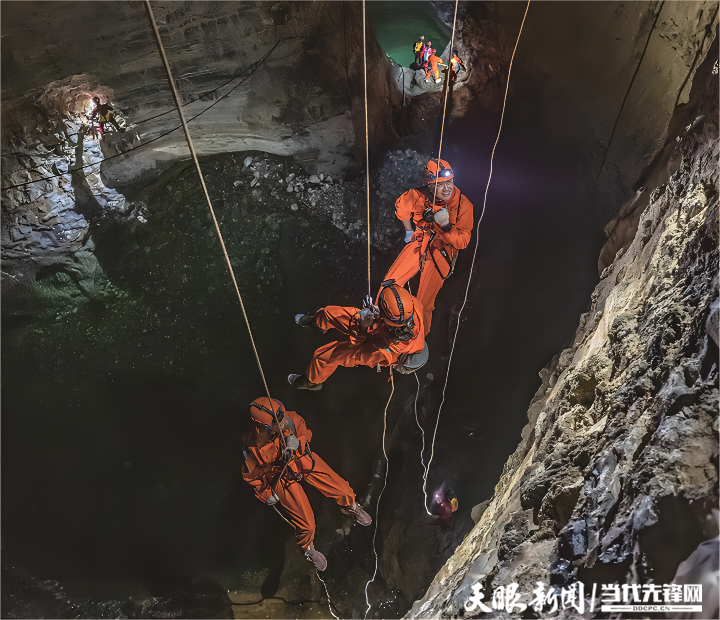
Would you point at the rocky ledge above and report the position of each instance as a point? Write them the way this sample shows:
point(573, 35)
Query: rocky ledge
point(616, 475)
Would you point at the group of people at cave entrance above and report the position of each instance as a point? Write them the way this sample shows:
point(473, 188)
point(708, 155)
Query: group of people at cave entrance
point(426, 60)
point(438, 220)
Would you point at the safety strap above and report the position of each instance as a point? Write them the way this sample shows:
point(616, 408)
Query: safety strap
point(450, 263)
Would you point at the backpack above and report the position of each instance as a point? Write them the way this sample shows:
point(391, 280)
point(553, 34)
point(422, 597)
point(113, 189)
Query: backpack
point(418, 46)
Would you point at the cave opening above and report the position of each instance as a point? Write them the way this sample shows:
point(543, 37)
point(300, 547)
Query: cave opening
point(398, 24)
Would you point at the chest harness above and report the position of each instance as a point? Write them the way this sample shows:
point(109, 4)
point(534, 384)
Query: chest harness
point(284, 422)
point(425, 229)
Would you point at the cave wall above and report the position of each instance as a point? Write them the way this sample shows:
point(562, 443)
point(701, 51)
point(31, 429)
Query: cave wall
point(616, 475)
point(298, 103)
point(306, 100)
point(613, 74)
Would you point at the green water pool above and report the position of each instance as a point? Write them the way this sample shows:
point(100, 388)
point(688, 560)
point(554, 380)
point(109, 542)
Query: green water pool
point(397, 25)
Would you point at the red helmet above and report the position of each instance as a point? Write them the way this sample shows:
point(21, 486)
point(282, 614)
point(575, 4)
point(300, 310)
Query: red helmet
point(261, 410)
point(396, 304)
point(431, 174)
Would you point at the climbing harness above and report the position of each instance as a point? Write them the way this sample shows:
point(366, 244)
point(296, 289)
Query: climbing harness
point(472, 265)
point(377, 506)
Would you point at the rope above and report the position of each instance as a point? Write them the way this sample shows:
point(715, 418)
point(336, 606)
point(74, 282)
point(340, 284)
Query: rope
point(212, 211)
point(377, 508)
point(367, 150)
point(162, 135)
point(422, 431)
point(152, 118)
point(472, 265)
point(447, 90)
point(330, 605)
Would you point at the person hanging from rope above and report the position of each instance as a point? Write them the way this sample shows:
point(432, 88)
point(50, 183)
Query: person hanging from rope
point(419, 49)
point(382, 335)
point(456, 65)
point(443, 219)
point(431, 67)
point(105, 113)
point(275, 470)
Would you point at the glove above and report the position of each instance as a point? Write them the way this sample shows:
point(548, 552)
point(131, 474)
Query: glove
point(273, 499)
point(442, 217)
point(368, 303)
point(409, 235)
point(291, 444)
point(428, 215)
point(367, 318)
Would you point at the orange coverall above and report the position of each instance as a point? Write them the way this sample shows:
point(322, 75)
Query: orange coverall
point(263, 468)
point(410, 206)
point(432, 66)
point(363, 347)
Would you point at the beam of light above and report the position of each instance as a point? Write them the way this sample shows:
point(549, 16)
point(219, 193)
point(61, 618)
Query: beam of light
point(472, 265)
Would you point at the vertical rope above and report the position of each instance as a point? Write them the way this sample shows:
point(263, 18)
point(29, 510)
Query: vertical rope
point(367, 149)
point(422, 431)
point(447, 90)
point(472, 265)
point(377, 508)
point(207, 196)
point(330, 605)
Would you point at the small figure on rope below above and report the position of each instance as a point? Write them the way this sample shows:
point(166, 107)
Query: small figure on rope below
point(382, 335)
point(444, 503)
point(275, 473)
point(440, 232)
point(456, 65)
point(105, 113)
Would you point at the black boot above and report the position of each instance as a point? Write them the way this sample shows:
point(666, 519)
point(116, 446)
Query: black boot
point(305, 320)
point(299, 382)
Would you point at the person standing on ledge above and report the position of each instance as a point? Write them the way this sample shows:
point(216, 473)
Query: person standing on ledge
point(443, 220)
point(456, 65)
point(275, 469)
point(105, 114)
point(419, 50)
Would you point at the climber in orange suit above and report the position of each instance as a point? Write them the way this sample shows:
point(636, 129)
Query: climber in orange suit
point(440, 232)
point(275, 468)
point(384, 334)
point(432, 67)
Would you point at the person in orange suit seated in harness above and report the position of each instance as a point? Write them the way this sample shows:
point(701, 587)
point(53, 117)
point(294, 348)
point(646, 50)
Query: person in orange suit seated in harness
point(440, 232)
point(104, 112)
point(275, 468)
point(432, 67)
point(382, 335)
point(456, 65)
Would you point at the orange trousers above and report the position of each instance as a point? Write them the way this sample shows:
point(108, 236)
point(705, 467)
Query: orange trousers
point(432, 68)
point(295, 501)
point(407, 264)
point(326, 359)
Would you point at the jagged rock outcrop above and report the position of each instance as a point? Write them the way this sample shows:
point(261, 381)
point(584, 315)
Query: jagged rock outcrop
point(617, 472)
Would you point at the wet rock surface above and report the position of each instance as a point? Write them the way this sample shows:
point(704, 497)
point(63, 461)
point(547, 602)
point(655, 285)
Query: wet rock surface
point(622, 434)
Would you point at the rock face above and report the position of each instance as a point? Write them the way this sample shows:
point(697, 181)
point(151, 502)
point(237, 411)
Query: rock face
point(617, 472)
point(283, 79)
